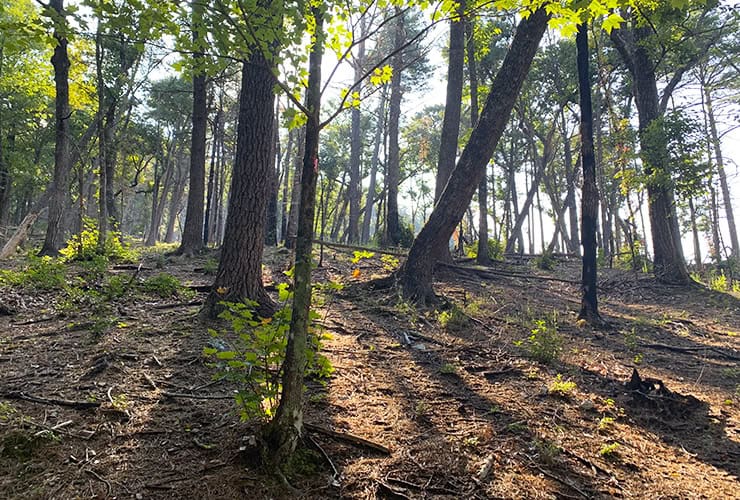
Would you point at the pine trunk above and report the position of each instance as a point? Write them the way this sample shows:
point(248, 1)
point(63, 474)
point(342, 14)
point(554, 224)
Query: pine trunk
point(417, 272)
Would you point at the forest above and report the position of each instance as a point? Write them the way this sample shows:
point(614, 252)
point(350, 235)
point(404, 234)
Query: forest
point(369, 249)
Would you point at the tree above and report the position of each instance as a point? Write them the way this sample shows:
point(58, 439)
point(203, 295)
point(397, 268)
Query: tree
point(192, 233)
point(453, 110)
point(590, 200)
point(62, 160)
point(415, 276)
point(633, 41)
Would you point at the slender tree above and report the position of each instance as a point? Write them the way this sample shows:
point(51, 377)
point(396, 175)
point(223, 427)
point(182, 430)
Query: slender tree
point(590, 199)
point(192, 233)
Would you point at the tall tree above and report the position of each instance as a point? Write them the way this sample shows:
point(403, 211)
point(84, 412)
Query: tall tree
point(192, 233)
point(633, 41)
point(354, 188)
point(590, 199)
point(393, 163)
point(281, 435)
point(239, 274)
point(416, 274)
point(54, 238)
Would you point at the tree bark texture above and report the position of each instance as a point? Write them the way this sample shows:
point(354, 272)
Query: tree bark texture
point(590, 198)
point(54, 238)
point(192, 233)
point(355, 176)
point(282, 433)
point(239, 273)
point(392, 222)
point(417, 272)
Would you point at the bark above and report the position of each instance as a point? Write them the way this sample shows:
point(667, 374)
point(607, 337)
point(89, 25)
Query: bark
point(669, 265)
point(192, 234)
point(239, 273)
point(590, 197)
point(355, 190)
point(54, 238)
point(392, 222)
point(695, 235)
point(208, 216)
point(453, 103)
point(295, 195)
point(716, 143)
point(417, 272)
point(175, 208)
point(286, 184)
point(482, 258)
point(281, 435)
point(370, 200)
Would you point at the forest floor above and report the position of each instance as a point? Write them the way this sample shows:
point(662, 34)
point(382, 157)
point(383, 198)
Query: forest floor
point(104, 397)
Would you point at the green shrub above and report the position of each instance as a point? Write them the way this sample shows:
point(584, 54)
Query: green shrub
point(85, 246)
point(163, 284)
point(546, 261)
point(560, 387)
point(40, 273)
point(544, 343)
point(454, 319)
point(255, 360)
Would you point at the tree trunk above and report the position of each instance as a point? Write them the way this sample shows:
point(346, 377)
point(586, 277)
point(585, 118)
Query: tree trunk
point(208, 216)
point(271, 216)
point(192, 234)
point(370, 200)
point(295, 195)
point(590, 197)
point(669, 265)
point(239, 273)
point(417, 272)
point(178, 190)
point(354, 190)
point(62, 160)
point(280, 436)
point(695, 235)
point(483, 257)
point(392, 222)
point(722, 175)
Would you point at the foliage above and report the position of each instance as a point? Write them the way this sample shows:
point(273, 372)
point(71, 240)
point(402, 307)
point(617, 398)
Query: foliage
point(254, 360)
point(163, 284)
point(609, 450)
point(39, 273)
point(362, 254)
point(544, 343)
point(390, 263)
point(546, 261)
point(454, 319)
point(496, 249)
point(85, 246)
point(560, 387)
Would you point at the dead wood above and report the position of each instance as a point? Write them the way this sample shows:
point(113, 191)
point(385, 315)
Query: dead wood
point(19, 395)
point(331, 244)
point(690, 349)
point(492, 273)
point(349, 438)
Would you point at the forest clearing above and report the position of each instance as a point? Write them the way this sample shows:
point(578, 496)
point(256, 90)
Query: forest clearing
point(454, 411)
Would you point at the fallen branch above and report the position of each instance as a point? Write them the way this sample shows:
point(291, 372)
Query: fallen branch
point(349, 438)
point(49, 401)
point(192, 303)
point(331, 244)
point(193, 396)
point(690, 349)
point(489, 273)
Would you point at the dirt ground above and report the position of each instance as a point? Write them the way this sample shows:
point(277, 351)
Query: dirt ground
point(128, 408)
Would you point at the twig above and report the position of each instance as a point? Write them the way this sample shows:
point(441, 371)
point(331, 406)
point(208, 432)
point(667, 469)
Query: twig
point(192, 303)
point(48, 401)
point(335, 476)
point(349, 438)
point(101, 479)
point(34, 321)
point(559, 479)
point(691, 349)
point(192, 396)
point(156, 360)
point(150, 382)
